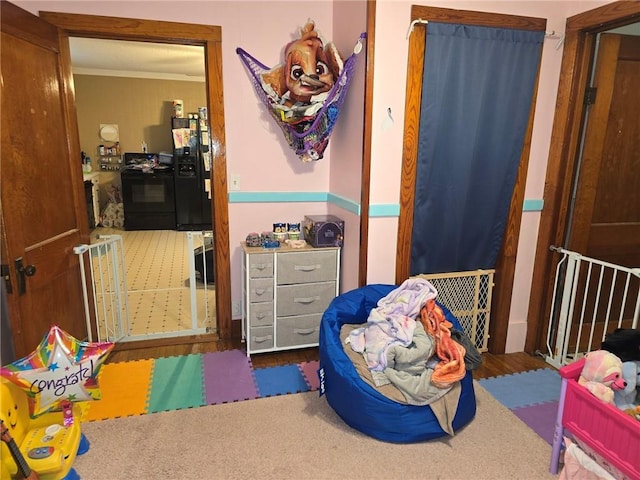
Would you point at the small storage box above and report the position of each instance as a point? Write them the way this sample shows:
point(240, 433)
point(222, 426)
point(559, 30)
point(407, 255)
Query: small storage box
point(323, 230)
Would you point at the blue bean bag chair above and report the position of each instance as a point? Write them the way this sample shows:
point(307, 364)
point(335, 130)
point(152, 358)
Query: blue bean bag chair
point(358, 403)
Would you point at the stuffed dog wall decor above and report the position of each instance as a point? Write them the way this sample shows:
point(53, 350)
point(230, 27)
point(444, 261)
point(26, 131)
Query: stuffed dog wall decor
point(305, 93)
point(309, 71)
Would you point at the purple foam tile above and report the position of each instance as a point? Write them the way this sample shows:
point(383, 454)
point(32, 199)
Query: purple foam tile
point(310, 372)
point(541, 418)
point(228, 377)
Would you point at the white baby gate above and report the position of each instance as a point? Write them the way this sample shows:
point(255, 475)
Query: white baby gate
point(106, 294)
point(590, 299)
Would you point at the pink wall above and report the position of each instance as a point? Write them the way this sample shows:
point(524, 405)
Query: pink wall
point(349, 21)
point(255, 148)
point(392, 24)
point(258, 154)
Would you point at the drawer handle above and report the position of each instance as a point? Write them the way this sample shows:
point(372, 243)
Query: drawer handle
point(260, 266)
point(262, 339)
point(260, 315)
point(260, 291)
point(306, 268)
point(304, 331)
point(306, 300)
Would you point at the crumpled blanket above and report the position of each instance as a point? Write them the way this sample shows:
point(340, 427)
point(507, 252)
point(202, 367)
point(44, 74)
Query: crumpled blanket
point(409, 371)
point(391, 322)
point(580, 466)
point(451, 367)
point(443, 406)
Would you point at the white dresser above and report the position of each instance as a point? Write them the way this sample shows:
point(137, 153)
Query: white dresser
point(285, 292)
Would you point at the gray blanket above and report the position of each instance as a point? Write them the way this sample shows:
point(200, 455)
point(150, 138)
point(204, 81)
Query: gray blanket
point(407, 378)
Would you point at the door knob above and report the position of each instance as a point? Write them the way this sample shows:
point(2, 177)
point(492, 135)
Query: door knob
point(23, 272)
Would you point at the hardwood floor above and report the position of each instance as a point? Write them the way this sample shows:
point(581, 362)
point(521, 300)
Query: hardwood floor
point(492, 365)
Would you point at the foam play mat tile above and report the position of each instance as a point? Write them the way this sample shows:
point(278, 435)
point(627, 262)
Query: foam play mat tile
point(228, 377)
point(524, 389)
point(541, 418)
point(310, 372)
point(280, 380)
point(176, 383)
point(125, 390)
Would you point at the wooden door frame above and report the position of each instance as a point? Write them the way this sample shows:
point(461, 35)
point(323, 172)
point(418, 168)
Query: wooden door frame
point(505, 265)
point(365, 191)
point(210, 37)
point(577, 61)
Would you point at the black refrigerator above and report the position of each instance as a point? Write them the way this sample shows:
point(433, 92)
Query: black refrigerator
point(192, 171)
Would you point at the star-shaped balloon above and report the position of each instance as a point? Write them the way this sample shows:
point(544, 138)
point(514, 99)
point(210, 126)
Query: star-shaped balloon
point(61, 370)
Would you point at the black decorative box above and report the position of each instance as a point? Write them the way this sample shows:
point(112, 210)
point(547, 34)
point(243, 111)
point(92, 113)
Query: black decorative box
point(323, 230)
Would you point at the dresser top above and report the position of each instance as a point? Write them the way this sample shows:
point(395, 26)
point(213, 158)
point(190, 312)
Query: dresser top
point(284, 248)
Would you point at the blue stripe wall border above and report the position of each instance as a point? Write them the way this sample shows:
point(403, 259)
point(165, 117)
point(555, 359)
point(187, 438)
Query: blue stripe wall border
point(277, 197)
point(384, 210)
point(533, 205)
point(379, 210)
point(344, 203)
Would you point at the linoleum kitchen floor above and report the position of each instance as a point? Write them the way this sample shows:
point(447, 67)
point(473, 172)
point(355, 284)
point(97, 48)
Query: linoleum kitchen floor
point(157, 278)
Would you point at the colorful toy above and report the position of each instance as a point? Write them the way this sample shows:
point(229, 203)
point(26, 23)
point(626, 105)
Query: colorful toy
point(43, 448)
point(293, 231)
point(253, 240)
point(602, 374)
point(625, 399)
point(633, 412)
point(60, 371)
point(305, 92)
point(310, 68)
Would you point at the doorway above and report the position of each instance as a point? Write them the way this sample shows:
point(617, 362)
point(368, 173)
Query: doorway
point(129, 87)
point(209, 37)
point(506, 261)
point(581, 39)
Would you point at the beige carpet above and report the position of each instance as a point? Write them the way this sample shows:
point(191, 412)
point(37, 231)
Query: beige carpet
point(300, 437)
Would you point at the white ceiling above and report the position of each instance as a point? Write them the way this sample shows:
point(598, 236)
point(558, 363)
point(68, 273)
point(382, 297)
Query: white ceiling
point(137, 59)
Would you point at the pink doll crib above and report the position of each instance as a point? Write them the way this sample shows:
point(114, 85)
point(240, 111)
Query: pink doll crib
point(604, 432)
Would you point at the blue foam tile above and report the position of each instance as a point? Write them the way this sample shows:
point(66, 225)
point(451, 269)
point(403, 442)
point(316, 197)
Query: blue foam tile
point(280, 380)
point(524, 389)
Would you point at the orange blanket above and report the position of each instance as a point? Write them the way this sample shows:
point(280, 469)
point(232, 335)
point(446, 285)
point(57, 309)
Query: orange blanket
point(451, 367)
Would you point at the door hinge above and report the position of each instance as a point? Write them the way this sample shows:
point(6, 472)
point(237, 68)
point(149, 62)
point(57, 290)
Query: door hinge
point(590, 95)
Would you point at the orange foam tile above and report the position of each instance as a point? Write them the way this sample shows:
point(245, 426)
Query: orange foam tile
point(125, 390)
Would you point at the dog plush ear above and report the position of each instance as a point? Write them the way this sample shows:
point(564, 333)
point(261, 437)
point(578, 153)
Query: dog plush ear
point(336, 63)
point(276, 79)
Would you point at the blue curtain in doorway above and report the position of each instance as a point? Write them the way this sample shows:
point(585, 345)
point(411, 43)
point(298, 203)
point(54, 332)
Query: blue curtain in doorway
point(478, 85)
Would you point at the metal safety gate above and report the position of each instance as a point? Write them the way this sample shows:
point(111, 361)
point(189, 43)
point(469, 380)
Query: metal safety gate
point(591, 298)
point(106, 295)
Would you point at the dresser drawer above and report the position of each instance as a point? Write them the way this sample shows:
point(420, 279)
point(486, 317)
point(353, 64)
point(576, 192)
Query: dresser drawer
point(307, 267)
point(298, 330)
point(261, 290)
point(261, 265)
point(261, 338)
point(261, 314)
point(304, 299)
